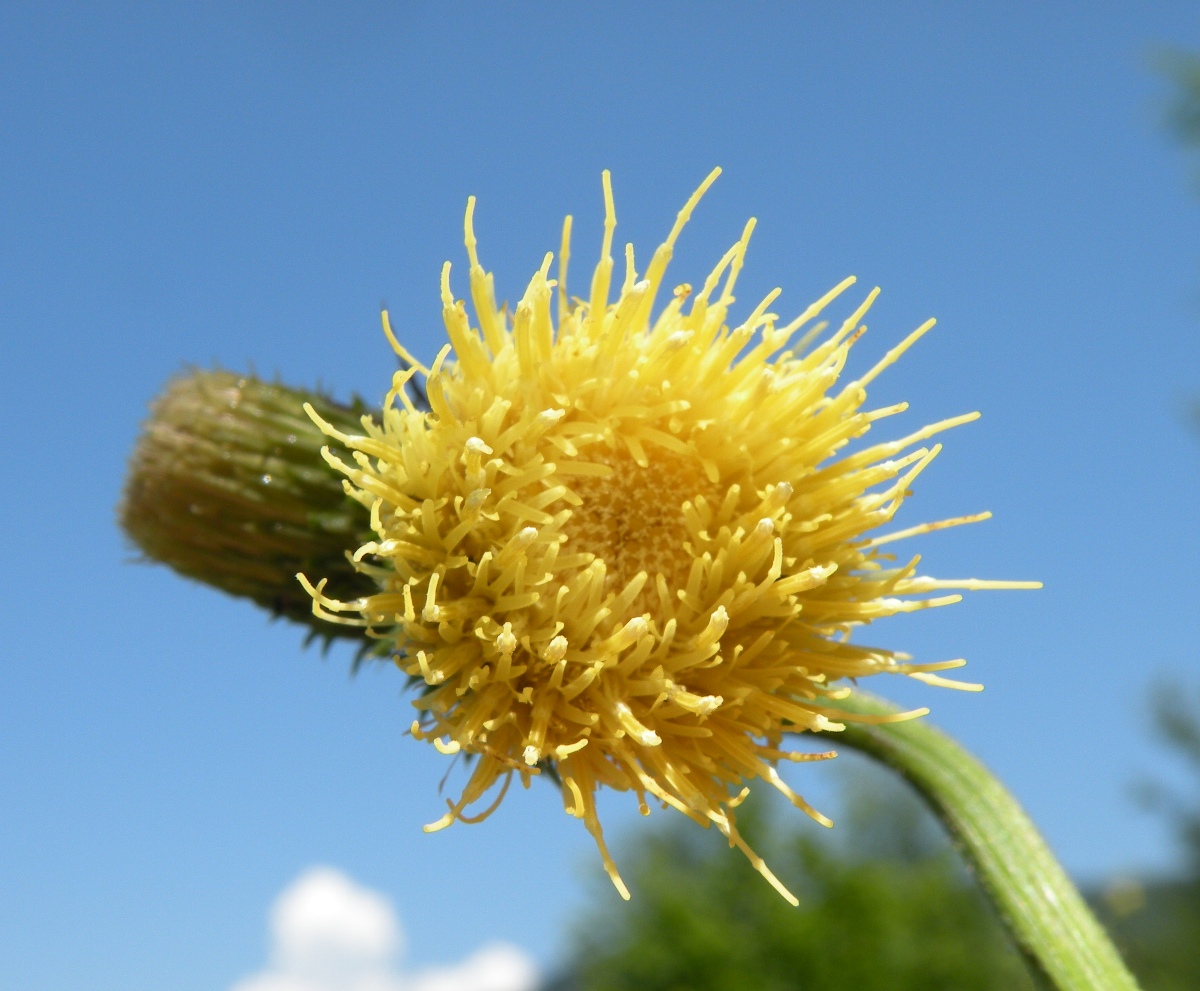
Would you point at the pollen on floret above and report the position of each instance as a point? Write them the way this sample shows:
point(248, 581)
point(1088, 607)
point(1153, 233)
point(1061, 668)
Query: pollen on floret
point(630, 545)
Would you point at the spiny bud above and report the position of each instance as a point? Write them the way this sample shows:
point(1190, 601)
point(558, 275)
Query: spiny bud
point(227, 486)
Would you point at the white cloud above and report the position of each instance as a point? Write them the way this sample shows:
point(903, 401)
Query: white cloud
point(496, 967)
point(330, 934)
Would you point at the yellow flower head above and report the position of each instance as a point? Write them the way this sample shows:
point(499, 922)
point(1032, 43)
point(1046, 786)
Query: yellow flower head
point(618, 546)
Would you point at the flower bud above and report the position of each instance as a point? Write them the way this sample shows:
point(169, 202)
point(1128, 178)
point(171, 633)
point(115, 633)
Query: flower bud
point(227, 486)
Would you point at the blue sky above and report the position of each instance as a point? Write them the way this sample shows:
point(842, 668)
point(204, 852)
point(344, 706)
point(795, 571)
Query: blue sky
point(244, 184)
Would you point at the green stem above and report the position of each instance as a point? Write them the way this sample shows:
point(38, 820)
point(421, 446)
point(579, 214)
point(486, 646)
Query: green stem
point(1064, 945)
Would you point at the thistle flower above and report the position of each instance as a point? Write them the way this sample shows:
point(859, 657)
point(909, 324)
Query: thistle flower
point(619, 546)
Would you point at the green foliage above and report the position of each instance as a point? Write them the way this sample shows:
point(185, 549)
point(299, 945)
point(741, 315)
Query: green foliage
point(1157, 924)
point(1183, 116)
point(1177, 723)
point(1159, 935)
point(884, 905)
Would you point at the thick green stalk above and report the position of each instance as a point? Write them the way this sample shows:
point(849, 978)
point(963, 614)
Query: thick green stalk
point(1063, 943)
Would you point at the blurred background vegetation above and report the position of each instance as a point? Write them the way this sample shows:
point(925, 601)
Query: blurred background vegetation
point(885, 902)
point(885, 906)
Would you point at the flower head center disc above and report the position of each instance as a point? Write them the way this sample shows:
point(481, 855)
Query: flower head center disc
point(634, 521)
